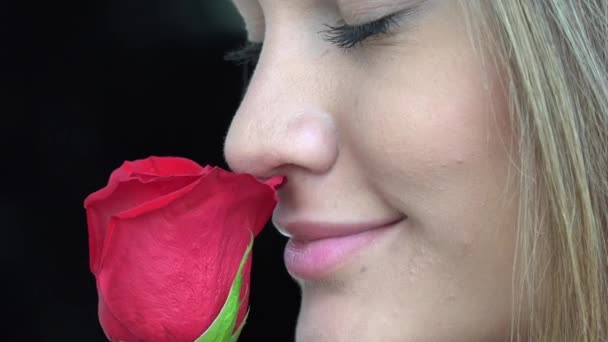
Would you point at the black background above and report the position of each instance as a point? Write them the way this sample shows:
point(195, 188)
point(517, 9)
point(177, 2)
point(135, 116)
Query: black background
point(89, 84)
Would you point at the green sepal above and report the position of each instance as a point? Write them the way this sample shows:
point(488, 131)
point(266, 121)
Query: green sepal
point(237, 333)
point(223, 325)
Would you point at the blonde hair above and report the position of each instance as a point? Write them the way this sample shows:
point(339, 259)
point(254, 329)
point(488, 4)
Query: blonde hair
point(554, 55)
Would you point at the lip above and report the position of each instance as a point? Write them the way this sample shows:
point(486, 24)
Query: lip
point(315, 250)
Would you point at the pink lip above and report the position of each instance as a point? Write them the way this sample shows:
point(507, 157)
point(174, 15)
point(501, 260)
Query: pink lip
point(315, 250)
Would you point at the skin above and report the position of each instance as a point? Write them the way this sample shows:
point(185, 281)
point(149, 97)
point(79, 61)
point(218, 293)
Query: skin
point(405, 124)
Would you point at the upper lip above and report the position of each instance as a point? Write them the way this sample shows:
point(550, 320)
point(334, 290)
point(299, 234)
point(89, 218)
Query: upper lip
point(314, 230)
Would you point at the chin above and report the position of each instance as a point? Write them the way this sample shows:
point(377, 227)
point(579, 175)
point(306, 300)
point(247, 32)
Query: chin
point(327, 317)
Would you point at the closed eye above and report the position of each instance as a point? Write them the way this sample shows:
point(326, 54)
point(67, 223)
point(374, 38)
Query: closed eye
point(348, 36)
point(344, 36)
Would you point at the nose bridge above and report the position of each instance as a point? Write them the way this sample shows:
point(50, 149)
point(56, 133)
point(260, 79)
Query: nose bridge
point(284, 119)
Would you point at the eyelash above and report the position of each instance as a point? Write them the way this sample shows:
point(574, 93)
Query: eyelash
point(348, 36)
point(343, 36)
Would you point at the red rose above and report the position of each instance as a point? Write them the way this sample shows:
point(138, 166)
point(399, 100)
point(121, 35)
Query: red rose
point(166, 239)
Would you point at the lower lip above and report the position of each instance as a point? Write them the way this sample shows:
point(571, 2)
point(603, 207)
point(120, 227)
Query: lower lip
point(319, 258)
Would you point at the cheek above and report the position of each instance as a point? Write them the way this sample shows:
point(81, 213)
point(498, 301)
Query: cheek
point(433, 121)
point(433, 136)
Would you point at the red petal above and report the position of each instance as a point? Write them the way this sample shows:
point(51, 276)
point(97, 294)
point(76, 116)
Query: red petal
point(164, 166)
point(124, 196)
point(276, 182)
point(146, 170)
point(111, 326)
point(134, 184)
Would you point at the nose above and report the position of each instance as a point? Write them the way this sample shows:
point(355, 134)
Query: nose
point(282, 124)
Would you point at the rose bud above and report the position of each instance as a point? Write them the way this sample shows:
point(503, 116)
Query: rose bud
point(170, 248)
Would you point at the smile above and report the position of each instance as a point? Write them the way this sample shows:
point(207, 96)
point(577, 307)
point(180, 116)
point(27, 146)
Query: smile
point(315, 250)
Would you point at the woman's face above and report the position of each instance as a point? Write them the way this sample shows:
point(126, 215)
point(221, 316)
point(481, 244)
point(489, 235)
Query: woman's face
point(403, 128)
